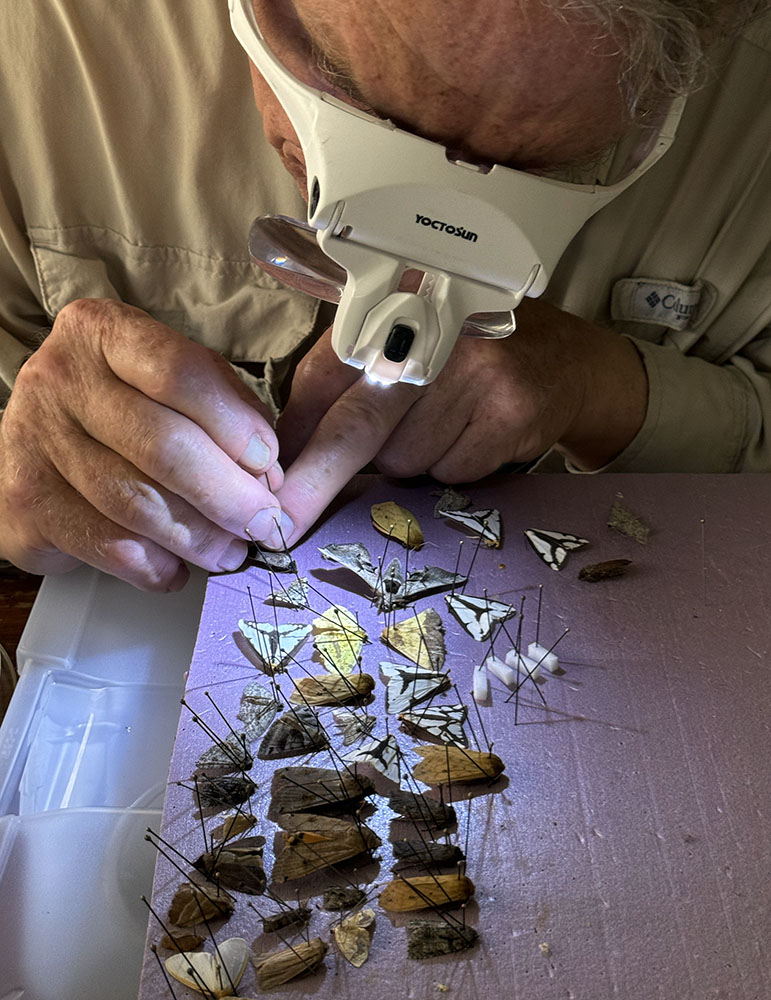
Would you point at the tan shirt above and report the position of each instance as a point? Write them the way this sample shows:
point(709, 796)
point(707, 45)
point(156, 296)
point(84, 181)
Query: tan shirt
point(132, 162)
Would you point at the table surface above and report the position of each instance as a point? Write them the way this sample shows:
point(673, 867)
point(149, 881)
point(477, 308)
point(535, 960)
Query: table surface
point(625, 852)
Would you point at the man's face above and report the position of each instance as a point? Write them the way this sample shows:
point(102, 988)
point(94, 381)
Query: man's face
point(497, 82)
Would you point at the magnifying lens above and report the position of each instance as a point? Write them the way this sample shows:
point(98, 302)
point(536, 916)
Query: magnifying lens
point(383, 202)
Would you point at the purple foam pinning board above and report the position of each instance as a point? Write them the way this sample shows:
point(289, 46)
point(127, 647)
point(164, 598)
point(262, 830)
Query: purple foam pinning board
point(625, 851)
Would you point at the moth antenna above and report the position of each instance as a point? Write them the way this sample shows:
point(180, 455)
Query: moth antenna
point(162, 967)
point(538, 613)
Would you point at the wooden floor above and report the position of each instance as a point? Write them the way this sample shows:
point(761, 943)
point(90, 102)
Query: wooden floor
point(17, 595)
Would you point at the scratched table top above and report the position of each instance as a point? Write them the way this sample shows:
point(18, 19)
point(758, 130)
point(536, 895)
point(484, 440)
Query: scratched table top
point(625, 849)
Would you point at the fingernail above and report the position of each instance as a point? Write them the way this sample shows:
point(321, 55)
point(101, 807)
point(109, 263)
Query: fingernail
point(256, 456)
point(179, 579)
point(234, 555)
point(270, 527)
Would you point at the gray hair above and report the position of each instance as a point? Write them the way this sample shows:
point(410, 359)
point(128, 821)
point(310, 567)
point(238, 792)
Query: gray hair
point(666, 44)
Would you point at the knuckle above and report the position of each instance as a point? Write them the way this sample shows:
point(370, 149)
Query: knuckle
point(130, 560)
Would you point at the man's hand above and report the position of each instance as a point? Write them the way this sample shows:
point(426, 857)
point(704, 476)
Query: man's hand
point(556, 380)
point(129, 447)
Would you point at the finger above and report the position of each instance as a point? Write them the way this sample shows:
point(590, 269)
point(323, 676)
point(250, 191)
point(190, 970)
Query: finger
point(167, 367)
point(120, 492)
point(320, 379)
point(175, 453)
point(67, 531)
point(348, 436)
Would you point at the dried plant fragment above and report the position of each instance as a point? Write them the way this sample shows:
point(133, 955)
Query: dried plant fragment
point(294, 733)
point(318, 789)
point(342, 897)
point(282, 966)
point(215, 975)
point(398, 523)
point(611, 569)
point(354, 936)
point(624, 521)
point(420, 639)
point(424, 891)
point(305, 852)
point(443, 764)
point(338, 639)
point(429, 938)
point(193, 903)
point(237, 866)
point(330, 690)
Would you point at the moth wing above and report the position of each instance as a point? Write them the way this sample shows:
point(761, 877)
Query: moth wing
point(553, 546)
point(218, 974)
point(381, 754)
point(445, 722)
point(486, 523)
point(355, 557)
point(407, 686)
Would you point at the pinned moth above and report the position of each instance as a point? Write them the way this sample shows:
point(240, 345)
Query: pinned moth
point(293, 596)
point(306, 851)
point(281, 966)
point(553, 546)
point(215, 975)
point(390, 588)
point(237, 866)
point(338, 639)
point(330, 690)
point(445, 764)
point(194, 903)
point(353, 936)
point(408, 686)
point(382, 754)
point(397, 523)
point(226, 756)
point(485, 523)
point(257, 710)
point(420, 639)
point(294, 733)
point(275, 645)
point(422, 892)
point(422, 809)
point(445, 722)
point(478, 615)
point(353, 726)
point(318, 789)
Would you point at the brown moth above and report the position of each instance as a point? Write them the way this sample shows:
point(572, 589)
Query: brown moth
point(182, 942)
point(354, 936)
point(193, 903)
point(286, 918)
point(398, 523)
point(226, 756)
point(233, 826)
point(420, 639)
point(329, 689)
point(424, 853)
point(224, 792)
point(342, 897)
point(422, 809)
point(305, 852)
point(318, 789)
point(281, 966)
point(608, 570)
point(443, 764)
point(237, 866)
point(328, 826)
point(294, 733)
point(428, 938)
point(423, 891)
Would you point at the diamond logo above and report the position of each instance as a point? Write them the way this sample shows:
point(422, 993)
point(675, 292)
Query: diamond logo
point(653, 299)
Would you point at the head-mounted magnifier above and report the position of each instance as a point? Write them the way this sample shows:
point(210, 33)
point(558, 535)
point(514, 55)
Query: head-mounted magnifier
point(382, 201)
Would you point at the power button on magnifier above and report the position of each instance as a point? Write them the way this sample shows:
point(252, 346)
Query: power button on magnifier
point(398, 343)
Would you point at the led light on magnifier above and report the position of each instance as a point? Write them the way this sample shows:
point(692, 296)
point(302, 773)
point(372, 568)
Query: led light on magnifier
point(385, 203)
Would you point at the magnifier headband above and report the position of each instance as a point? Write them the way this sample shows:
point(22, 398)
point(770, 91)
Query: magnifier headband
point(382, 200)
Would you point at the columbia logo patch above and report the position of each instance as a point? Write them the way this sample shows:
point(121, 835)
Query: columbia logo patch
point(652, 300)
